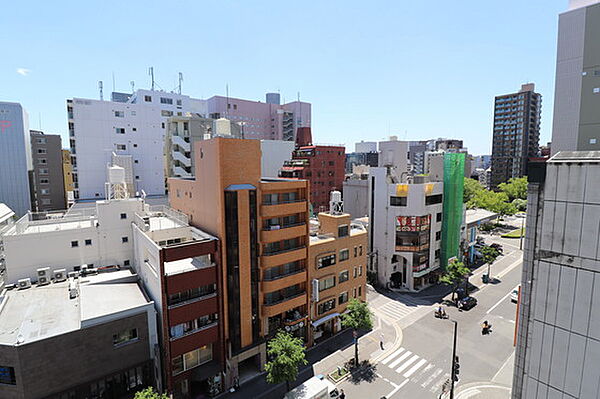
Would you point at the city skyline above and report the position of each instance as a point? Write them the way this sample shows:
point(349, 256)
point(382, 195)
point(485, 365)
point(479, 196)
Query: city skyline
point(346, 108)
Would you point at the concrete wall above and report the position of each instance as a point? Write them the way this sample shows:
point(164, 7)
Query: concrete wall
point(356, 197)
point(274, 153)
point(15, 158)
point(394, 153)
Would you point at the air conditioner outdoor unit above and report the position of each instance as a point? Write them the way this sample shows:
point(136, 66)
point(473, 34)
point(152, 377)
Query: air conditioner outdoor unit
point(73, 274)
point(60, 275)
point(24, 283)
point(43, 275)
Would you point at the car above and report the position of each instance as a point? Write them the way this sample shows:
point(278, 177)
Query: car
point(514, 295)
point(467, 303)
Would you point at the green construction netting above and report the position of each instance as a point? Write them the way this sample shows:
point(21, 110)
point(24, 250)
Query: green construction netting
point(454, 169)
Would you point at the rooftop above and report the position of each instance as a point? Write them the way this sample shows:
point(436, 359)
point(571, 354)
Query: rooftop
point(187, 264)
point(575, 156)
point(42, 312)
point(477, 216)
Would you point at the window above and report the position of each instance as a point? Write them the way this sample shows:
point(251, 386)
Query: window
point(44, 181)
point(46, 201)
point(592, 141)
point(124, 240)
point(359, 290)
point(123, 216)
point(125, 336)
point(438, 235)
point(166, 100)
point(43, 171)
point(398, 201)
point(190, 294)
point(135, 146)
point(438, 217)
point(192, 359)
point(121, 147)
point(344, 255)
point(354, 292)
point(41, 141)
point(343, 276)
point(433, 199)
point(88, 242)
point(360, 250)
point(45, 191)
point(120, 130)
point(119, 114)
point(326, 283)
point(192, 326)
point(74, 244)
point(360, 270)
point(148, 99)
point(355, 252)
point(179, 103)
point(326, 306)
point(7, 375)
point(343, 231)
point(437, 253)
point(42, 161)
point(126, 262)
point(343, 298)
point(42, 151)
point(134, 129)
point(355, 272)
point(596, 90)
point(166, 113)
point(326, 261)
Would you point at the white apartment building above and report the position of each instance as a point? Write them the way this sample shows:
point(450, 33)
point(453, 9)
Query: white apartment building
point(405, 229)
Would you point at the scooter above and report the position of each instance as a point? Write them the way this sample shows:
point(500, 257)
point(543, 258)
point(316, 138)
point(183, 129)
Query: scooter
point(440, 315)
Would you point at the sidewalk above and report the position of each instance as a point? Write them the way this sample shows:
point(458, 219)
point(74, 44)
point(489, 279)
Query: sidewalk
point(481, 391)
point(322, 359)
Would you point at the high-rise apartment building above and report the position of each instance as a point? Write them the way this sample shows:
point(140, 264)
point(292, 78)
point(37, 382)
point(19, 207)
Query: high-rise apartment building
point(134, 127)
point(322, 165)
point(48, 179)
point(15, 158)
point(262, 225)
point(516, 133)
point(576, 124)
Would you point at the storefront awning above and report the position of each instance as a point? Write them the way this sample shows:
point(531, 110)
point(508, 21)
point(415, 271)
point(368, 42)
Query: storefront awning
point(324, 319)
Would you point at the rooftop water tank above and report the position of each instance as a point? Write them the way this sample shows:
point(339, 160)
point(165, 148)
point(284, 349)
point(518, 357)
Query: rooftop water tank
point(116, 175)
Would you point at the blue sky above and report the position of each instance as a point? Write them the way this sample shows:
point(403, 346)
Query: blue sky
point(415, 69)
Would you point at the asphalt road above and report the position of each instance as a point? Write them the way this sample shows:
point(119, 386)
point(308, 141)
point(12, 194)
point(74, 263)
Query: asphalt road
point(419, 365)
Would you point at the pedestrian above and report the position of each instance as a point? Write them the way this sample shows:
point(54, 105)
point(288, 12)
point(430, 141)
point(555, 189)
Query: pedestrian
point(342, 394)
point(381, 341)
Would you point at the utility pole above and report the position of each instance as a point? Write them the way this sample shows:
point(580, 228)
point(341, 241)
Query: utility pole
point(455, 365)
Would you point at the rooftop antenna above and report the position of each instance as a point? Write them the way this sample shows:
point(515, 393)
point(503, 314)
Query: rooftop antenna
point(180, 80)
point(227, 96)
point(113, 76)
point(101, 91)
point(40, 119)
point(151, 73)
point(132, 83)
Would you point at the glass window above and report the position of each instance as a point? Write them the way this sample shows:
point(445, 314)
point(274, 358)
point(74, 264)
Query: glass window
point(326, 283)
point(344, 255)
point(74, 244)
point(326, 306)
point(343, 231)
point(343, 298)
point(125, 336)
point(88, 242)
point(7, 375)
point(177, 365)
point(166, 100)
point(438, 217)
point(433, 199)
point(326, 261)
point(344, 276)
point(398, 201)
point(148, 99)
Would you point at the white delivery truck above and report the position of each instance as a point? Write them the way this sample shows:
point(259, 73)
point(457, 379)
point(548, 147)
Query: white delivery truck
point(317, 387)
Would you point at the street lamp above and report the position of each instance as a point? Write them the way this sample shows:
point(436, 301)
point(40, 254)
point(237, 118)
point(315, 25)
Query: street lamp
point(455, 365)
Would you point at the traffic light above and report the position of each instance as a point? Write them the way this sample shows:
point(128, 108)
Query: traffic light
point(456, 368)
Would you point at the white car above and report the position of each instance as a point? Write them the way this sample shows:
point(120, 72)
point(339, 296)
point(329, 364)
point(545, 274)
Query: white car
point(514, 295)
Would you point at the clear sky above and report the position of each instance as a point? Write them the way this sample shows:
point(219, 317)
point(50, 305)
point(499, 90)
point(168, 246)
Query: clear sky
point(416, 69)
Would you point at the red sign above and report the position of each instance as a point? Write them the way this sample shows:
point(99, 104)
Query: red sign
point(5, 125)
point(412, 223)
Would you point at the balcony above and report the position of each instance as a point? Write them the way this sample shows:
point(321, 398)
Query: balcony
point(283, 256)
point(411, 248)
point(181, 142)
point(287, 280)
point(284, 232)
point(284, 304)
point(283, 208)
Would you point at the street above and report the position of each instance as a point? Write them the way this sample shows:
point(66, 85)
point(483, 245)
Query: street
point(419, 364)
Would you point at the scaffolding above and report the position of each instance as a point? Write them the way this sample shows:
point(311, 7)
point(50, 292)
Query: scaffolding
point(454, 169)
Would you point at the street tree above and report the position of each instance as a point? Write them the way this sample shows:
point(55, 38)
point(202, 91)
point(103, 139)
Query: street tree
point(471, 188)
point(515, 188)
point(357, 316)
point(287, 353)
point(492, 201)
point(490, 254)
point(456, 271)
point(149, 393)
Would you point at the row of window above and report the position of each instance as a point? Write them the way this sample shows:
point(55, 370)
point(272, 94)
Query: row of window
point(192, 326)
point(330, 304)
point(192, 293)
point(280, 198)
point(329, 282)
point(88, 241)
point(192, 359)
point(403, 201)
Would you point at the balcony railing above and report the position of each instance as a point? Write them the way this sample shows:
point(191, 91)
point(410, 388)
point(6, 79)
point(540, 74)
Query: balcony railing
point(282, 251)
point(285, 274)
point(286, 298)
point(204, 327)
point(283, 226)
point(192, 300)
point(283, 202)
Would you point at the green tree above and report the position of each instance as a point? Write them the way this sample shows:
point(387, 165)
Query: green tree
point(490, 254)
point(287, 353)
point(516, 188)
point(455, 273)
point(149, 393)
point(471, 188)
point(357, 316)
point(492, 201)
point(520, 204)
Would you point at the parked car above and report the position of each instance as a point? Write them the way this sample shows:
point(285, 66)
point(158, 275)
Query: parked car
point(514, 295)
point(467, 303)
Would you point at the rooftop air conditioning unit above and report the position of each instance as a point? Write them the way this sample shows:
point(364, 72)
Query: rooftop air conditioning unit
point(24, 283)
point(43, 275)
point(60, 275)
point(84, 268)
point(73, 274)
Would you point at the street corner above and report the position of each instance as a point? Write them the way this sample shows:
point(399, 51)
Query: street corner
point(482, 390)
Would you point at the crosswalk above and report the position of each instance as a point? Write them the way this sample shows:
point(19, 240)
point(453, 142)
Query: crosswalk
point(417, 369)
point(398, 309)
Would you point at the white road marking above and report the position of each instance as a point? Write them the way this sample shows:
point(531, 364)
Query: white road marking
point(396, 389)
point(432, 377)
point(393, 355)
point(499, 302)
point(400, 359)
point(414, 368)
point(407, 363)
